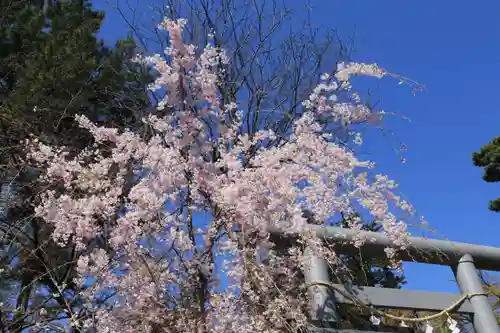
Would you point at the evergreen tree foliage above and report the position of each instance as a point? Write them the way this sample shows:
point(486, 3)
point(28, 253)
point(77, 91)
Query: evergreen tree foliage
point(488, 158)
point(52, 66)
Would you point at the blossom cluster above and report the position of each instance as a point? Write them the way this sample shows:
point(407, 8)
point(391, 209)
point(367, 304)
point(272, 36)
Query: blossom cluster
point(136, 207)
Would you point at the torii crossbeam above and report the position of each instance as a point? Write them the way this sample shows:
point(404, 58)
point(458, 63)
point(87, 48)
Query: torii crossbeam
point(463, 258)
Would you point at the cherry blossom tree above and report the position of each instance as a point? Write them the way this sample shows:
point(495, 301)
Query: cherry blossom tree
point(173, 229)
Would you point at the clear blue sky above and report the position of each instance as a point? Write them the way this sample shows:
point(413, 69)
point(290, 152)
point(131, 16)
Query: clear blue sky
point(453, 47)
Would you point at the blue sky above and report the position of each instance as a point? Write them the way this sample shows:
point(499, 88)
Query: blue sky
point(453, 48)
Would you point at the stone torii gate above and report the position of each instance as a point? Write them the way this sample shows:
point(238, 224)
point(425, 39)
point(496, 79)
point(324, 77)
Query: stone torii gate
point(464, 259)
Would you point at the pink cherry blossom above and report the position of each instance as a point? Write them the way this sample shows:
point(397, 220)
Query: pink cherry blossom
point(141, 196)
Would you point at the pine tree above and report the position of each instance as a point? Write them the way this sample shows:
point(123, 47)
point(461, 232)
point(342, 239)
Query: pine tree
point(488, 158)
point(52, 67)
